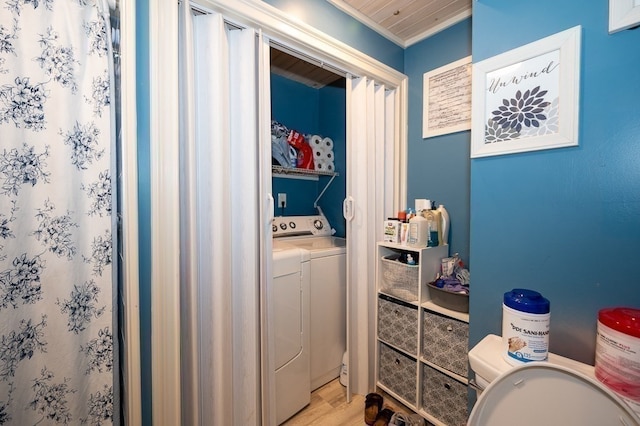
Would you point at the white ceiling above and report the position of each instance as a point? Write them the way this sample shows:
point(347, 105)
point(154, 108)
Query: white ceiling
point(406, 22)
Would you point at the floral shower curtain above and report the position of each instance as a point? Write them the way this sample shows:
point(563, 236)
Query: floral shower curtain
point(56, 272)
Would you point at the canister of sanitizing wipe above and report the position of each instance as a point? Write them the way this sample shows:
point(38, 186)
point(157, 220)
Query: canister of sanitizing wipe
point(525, 326)
point(618, 353)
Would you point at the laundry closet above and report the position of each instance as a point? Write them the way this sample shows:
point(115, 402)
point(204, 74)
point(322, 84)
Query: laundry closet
point(226, 177)
point(311, 100)
point(308, 293)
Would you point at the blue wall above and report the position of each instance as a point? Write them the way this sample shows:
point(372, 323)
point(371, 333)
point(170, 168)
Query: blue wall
point(438, 167)
point(317, 112)
point(565, 222)
point(144, 202)
point(295, 105)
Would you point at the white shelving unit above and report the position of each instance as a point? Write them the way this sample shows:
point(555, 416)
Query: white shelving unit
point(421, 347)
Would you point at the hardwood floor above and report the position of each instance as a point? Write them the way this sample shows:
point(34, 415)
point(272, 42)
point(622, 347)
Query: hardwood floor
point(329, 407)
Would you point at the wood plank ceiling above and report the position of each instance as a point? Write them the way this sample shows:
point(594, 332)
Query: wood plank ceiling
point(299, 70)
point(406, 22)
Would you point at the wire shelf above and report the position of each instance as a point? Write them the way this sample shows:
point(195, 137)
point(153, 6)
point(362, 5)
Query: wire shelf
point(300, 172)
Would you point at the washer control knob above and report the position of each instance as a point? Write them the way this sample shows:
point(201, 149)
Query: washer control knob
point(318, 224)
point(274, 228)
point(283, 226)
point(292, 225)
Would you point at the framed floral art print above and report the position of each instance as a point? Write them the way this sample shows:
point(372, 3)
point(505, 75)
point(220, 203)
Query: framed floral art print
point(527, 99)
point(623, 14)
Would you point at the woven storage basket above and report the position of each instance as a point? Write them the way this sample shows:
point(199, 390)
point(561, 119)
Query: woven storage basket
point(444, 398)
point(399, 279)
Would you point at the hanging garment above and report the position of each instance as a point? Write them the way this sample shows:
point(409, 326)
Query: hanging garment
point(56, 272)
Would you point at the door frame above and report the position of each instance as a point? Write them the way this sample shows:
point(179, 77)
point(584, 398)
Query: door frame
point(130, 394)
point(163, 81)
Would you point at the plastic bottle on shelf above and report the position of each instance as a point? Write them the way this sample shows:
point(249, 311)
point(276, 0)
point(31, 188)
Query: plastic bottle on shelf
point(418, 232)
point(444, 220)
point(433, 227)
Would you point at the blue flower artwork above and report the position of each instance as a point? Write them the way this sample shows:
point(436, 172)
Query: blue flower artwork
point(5, 415)
point(100, 194)
point(8, 36)
point(6, 231)
point(50, 398)
point(16, 6)
point(21, 344)
point(23, 167)
point(20, 284)
point(58, 62)
point(523, 109)
point(54, 232)
point(100, 95)
point(84, 142)
point(524, 114)
point(81, 306)
point(22, 102)
point(101, 249)
point(100, 407)
point(99, 352)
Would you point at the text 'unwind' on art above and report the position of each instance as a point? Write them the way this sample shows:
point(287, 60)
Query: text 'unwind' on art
point(498, 83)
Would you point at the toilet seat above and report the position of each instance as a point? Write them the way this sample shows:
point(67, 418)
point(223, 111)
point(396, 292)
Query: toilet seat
point(541, 393)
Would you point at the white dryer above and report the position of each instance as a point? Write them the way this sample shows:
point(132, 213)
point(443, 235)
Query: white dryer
point(328, 276)
point(290, 298)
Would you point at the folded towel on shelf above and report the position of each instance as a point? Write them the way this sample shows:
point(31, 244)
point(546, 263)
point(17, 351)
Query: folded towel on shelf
point(281, 151)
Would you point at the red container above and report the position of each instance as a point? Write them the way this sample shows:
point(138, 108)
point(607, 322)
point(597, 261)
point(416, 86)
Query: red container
point(618, 353)
point(305, 153)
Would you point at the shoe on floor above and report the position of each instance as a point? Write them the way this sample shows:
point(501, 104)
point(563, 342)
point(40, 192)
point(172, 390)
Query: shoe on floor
point(372, 407)
point(384, 417)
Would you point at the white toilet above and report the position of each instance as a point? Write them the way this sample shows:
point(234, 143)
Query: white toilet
point(560, 391)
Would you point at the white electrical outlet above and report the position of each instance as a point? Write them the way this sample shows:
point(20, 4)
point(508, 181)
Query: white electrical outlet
point(282, 200)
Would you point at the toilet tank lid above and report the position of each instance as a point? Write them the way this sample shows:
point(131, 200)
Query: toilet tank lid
point(486, 360)
point(560, 395)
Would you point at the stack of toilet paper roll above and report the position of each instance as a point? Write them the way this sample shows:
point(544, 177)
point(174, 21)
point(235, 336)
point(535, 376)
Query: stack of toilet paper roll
point(322, 153)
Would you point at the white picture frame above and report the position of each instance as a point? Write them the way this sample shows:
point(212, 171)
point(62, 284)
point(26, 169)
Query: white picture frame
point(446, 101)
point(623, 14)
point(527, 99)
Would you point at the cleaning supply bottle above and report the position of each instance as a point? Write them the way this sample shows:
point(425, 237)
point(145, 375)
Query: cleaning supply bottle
point(418, 232)
point(525, 326)
point(444, 220)
point(433, 227)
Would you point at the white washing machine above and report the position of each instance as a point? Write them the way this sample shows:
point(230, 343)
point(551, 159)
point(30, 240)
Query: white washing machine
point(290, 297)
point(328, 306)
